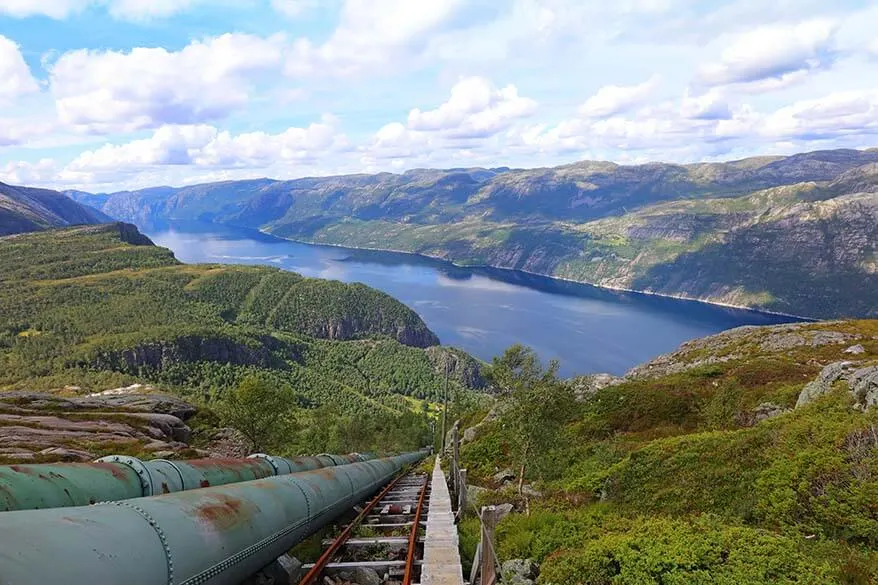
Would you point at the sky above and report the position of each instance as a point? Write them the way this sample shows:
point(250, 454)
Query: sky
point(107, 95)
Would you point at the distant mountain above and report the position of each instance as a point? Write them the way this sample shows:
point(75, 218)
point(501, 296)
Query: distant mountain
point(793, 234)
point(23, 209)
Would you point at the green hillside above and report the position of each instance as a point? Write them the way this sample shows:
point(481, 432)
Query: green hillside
point(93, 308)
point(746, 457)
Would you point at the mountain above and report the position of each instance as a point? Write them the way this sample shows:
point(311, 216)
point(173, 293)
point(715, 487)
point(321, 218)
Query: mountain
point(88, 309)
point(23, 209)
point(746, 457)
point(793, 234)
point(97, 320)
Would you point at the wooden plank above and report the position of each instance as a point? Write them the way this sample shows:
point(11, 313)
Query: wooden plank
point(441, 554)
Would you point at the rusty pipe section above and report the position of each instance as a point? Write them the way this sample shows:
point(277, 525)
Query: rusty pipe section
point(118, 477)
point(216, 536)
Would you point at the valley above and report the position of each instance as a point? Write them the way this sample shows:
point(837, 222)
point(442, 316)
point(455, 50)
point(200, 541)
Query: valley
point(793, 235)
point(89, 309)
point(483, 311)
point(442, 292)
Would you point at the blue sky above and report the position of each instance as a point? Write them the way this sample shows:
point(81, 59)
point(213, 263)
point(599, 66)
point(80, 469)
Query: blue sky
point(113, 94)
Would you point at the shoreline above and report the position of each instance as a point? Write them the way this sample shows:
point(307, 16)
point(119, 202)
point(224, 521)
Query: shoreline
point(550, 277)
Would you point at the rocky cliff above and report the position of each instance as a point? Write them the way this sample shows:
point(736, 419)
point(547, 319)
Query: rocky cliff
point(48, 427)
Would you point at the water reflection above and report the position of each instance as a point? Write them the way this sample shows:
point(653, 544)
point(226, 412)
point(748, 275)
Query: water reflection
point(484, 310)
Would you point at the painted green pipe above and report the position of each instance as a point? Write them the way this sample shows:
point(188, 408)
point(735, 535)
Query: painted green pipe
point(55, 485)
point(217, 535)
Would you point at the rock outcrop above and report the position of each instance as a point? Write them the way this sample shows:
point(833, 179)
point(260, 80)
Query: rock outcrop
point(747, 342)
point(519, 572)
point(863, 383)
point(584, 387)
point(461, 366)
point(46, 427)
point(823, 383)
point(860, 380)
point(472, 432)
point(762, 412)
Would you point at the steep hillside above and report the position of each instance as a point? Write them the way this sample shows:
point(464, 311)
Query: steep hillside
point(23, 209)
point(92, 308)
point(786, 234)
point(746, 457)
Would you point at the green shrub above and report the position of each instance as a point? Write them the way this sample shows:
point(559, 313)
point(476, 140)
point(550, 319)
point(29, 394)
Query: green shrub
point(664, 551)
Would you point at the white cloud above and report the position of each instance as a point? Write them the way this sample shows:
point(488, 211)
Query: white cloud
point(614, 99)
point(773, 53)
point(372, 35)
point(850, 113)
point(15, 76)
point(204, 146)
point(119, 9)
point(42, 172)
point(52, 8)
point(255, 149)
point(712, 105)
point(292, 8)
point(105, 91)
point(476, 113)
point(525, 21)
point(148, 9)
point(741, 73)
point(475, 109)
point(710, 126)
point(169, 145)
point(19, 131)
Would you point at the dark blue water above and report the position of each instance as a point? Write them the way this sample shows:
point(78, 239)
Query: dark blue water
point(484, 310)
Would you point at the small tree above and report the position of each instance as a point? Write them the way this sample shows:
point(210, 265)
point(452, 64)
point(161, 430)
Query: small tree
point(263, 413)
point(538, 408)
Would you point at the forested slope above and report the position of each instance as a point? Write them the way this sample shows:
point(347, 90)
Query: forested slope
point(97, 307)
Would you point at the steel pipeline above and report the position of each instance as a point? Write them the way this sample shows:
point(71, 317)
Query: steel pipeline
point(55, 485)
point(217, 535)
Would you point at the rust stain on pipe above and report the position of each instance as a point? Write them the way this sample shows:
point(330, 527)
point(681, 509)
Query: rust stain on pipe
point(223, 512)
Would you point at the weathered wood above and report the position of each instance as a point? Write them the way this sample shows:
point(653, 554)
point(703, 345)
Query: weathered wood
point(441, 543)
point(455, 460)
point(461, 494)
point(488, 564)
point(477, 561)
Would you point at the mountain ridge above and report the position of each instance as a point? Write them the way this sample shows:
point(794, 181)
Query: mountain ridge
point(645, 228)
point(25, 209)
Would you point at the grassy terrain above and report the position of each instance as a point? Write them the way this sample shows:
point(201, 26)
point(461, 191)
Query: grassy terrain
point(667, 477)
point(94, 308)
